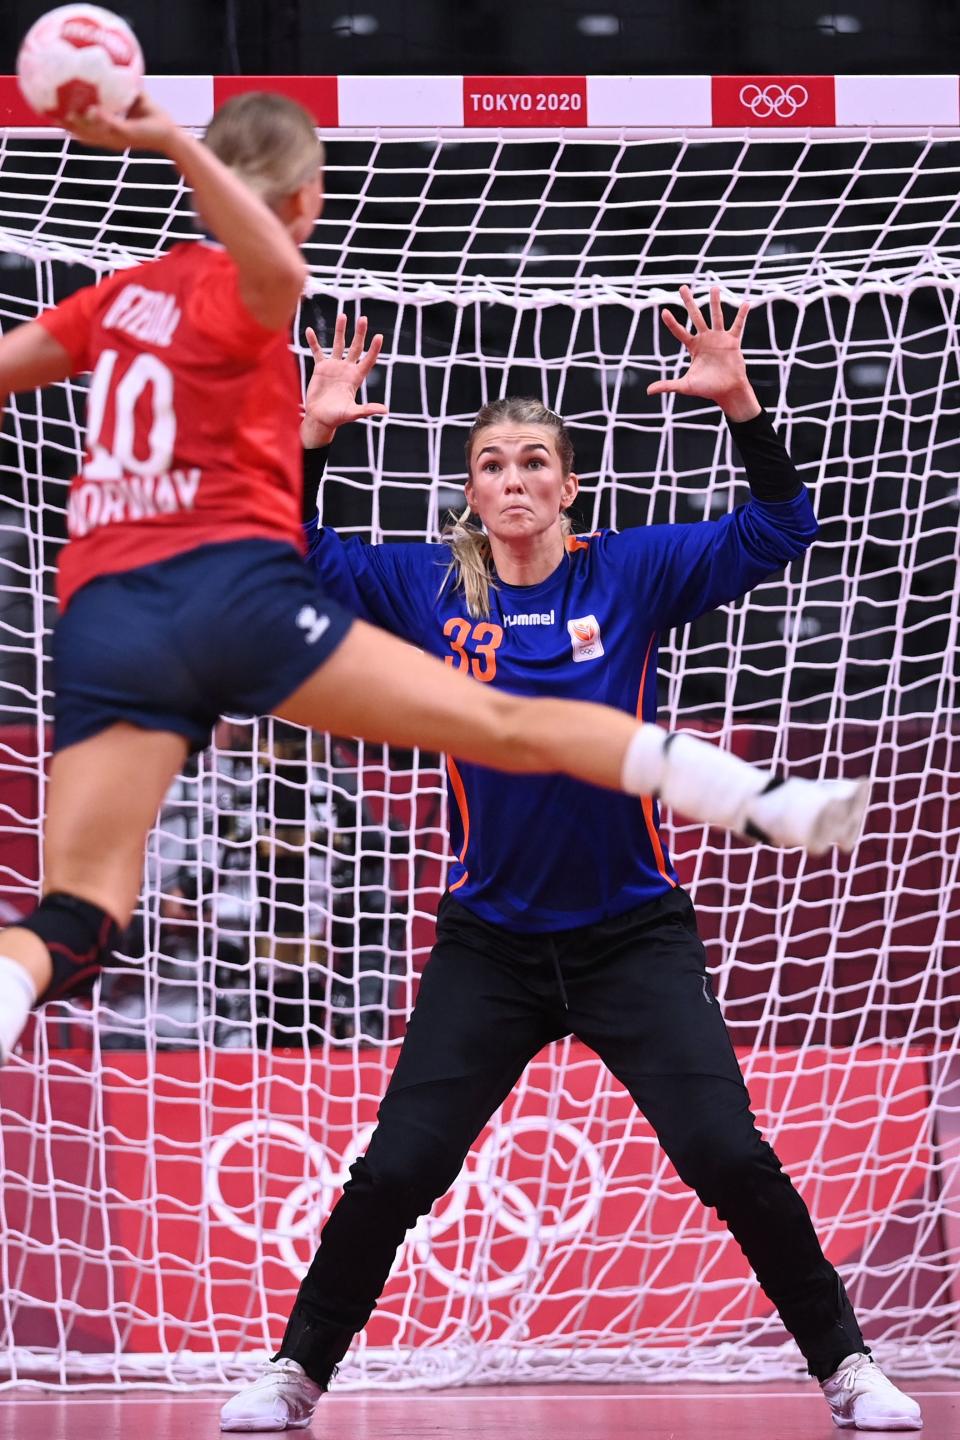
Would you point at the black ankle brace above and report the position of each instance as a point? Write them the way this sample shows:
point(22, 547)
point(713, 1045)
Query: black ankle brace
point(80, 938)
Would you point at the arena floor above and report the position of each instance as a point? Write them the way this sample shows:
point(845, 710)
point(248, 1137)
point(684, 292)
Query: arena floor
point(576, 1412)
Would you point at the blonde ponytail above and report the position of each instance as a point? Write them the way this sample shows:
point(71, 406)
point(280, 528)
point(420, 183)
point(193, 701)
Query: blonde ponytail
point(471, 559)
point(471, 563)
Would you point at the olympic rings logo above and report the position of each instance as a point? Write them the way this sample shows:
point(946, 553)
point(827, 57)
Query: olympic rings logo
point(505, 1204)
point(774, 100)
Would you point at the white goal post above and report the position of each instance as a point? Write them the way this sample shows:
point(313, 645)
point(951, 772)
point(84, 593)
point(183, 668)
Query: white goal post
point(169, 1153)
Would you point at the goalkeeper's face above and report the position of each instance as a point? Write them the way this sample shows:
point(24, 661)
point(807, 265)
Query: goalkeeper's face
point(517, 483)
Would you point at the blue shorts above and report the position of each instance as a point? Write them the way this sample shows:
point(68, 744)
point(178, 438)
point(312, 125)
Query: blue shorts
point(233, 628)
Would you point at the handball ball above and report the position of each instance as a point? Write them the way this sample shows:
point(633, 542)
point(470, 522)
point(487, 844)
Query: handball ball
point(77, 56)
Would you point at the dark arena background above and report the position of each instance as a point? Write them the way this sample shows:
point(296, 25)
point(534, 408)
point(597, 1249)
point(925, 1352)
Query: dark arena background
point(514, 192)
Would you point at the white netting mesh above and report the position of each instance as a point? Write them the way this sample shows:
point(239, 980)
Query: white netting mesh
point(169, 1156)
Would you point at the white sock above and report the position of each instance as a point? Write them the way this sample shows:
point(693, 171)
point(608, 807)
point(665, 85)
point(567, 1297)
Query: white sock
point(692, 776)
point(18, 994)
point(644, 766)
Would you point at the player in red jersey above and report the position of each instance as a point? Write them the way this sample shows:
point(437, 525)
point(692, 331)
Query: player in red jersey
point(182, 587)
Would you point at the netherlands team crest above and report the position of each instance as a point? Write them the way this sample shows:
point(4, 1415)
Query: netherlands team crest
point(585, 638)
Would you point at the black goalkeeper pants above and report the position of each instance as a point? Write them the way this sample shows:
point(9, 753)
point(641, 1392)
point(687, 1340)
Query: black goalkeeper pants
point(636, 990)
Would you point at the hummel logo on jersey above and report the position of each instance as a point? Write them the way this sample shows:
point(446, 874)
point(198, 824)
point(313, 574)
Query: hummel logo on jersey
point(585, 638)
point(314, 624)
point(539, 617)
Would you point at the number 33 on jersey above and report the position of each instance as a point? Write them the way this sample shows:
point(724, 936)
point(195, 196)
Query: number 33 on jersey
point(484, 639)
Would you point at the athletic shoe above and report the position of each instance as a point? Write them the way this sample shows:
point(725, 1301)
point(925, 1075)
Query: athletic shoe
point(709, 784)
point(282, 1398)
point(862, 1398)
point(814, 814)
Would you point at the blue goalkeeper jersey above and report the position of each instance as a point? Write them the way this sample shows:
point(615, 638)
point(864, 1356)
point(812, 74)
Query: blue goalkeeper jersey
point(543, 852)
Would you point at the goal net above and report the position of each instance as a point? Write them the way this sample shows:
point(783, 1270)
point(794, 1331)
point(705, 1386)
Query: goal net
point(170, 1151)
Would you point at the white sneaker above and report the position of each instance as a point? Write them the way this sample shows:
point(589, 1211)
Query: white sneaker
point(709, 784)
point(283, 1398)
point(813, 814)
point(862, 1398)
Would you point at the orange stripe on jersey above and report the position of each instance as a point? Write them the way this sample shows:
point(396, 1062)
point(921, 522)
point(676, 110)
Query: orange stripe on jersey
point(578, 542)
point(646, 802)
point(460, 795)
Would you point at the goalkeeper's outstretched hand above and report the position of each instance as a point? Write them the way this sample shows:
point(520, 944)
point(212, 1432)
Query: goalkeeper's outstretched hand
point(331, 398)
point(717, 370)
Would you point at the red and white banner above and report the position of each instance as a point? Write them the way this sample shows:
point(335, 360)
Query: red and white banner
point(506, 101)
point(509, 102)
point(189, 1187)
point(316, 93)
point(749, 100)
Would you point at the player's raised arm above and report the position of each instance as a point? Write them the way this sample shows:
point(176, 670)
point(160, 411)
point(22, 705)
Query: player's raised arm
point(389, 585)
point(717, 370)
point(266, 250)
point(331, 401)
point(331, 397)
point(703, 565)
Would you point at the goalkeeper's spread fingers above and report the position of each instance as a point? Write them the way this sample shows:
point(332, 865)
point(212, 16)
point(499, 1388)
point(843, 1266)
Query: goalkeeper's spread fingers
point(737, 327)
point(339, 338)
point(356, 344)
point(368, 361)
point(693, 309)
point(678, 331)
